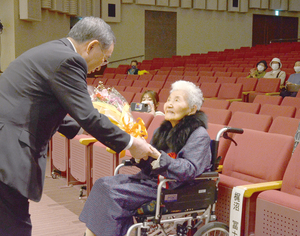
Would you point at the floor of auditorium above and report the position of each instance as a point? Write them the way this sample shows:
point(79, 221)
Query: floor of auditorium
point(58, 211)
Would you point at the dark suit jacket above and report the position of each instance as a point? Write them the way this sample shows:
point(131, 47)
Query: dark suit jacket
point(37, 90)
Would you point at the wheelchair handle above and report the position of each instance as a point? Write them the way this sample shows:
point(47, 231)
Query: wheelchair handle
point(228, 130)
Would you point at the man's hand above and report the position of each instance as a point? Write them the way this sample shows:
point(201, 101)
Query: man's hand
point(140, 149)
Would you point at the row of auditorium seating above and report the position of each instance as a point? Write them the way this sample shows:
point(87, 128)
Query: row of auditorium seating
point(258, 157)
point(241, 118)
point(221, 111)
point(246, 56)
point(211, 86)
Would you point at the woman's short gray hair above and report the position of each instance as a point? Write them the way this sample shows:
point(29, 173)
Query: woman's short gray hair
point(195, 95)
point(93, 28)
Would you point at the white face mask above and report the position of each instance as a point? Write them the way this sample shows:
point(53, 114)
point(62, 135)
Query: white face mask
point(297, 69)
point(275, 66)
point(260, 68)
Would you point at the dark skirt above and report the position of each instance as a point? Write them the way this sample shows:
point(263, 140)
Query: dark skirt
point(113, 201)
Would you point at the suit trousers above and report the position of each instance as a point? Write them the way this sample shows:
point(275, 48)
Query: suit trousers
point(14, 212)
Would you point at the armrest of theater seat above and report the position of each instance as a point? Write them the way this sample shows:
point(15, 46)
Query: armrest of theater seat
point(87, 141)
point(253, 188)
point(220, 168)
point(234, 99)
point(273, 94)
point(245, 96)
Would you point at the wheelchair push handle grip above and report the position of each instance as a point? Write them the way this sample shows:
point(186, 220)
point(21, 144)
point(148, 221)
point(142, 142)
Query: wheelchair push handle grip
point(234, 130)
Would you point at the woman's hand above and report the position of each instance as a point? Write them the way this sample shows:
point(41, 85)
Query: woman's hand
point(252, 72)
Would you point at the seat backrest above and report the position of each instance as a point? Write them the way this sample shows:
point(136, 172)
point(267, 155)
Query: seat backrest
point(146, 117)
point(109, 75)
point(174, 78)
point(215, 103)
point(111, 82)
point(222, 80)
point(290, 182)
point(276, 110)
point(265, 85)
point(146, 76)
point(265, 99)
point(210, 90)
point(133, 89)
point(127, 95)
point(240, 74)
point(258, 156)
point(155, 123)
point(230, 91)
point(207, 79)
point(132, 77)
point(90, 80)
point(222, 74)
point(245, 120)
point(190, 73)
point(140, 83)
point(159, 78)
point(156, 84)
point(176, 72)
point(217, 116)
point(125, 82)
point(164, 94)
point(244, 107)
point(291, 101)
point(191, 78)
point(249, 84)
point(284, 125)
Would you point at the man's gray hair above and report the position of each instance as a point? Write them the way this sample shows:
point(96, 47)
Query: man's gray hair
point(93, 28)
point(194, 93)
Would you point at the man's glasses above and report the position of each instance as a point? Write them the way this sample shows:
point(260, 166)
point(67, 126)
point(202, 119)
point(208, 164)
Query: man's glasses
point(105, 62)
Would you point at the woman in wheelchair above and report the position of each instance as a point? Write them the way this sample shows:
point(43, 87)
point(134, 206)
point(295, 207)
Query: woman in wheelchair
point(181, 151)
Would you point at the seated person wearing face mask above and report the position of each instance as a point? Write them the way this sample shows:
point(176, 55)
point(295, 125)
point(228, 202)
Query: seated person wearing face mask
point(259, 71)
point(293, 83)
point(276, 72)
point(133, 69)
point(151, 98)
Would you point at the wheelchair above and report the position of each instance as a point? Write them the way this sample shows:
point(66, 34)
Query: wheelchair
point(187, 210)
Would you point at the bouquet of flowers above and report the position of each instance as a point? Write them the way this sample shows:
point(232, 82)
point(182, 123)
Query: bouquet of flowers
point(110, 102)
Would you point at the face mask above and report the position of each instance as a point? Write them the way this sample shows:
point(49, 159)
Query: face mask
point(275, 66)
point(297, 69)
point(260, 68)
point(133, 67)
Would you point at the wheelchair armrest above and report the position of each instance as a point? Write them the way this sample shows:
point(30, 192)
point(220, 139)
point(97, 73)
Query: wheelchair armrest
point(208, 175)
point(130, 162)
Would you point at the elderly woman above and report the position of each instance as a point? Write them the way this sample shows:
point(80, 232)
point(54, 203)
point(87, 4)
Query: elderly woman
point(276, 71)
point(292, 85)
point(181, 151)
point(150, 97)
point(259, 71)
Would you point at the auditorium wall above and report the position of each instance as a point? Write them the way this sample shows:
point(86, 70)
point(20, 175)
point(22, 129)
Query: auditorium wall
point(198, 31)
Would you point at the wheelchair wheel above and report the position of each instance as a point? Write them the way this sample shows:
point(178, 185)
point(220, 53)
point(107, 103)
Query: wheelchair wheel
point(213, 228)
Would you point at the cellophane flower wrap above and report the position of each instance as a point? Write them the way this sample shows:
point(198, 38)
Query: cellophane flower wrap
point(108, 101)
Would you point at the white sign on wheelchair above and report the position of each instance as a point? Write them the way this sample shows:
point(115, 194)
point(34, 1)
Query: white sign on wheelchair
point(236, 209)
point(170, 197)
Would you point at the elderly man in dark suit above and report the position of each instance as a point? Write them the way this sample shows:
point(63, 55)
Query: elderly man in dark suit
point(37, 91)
